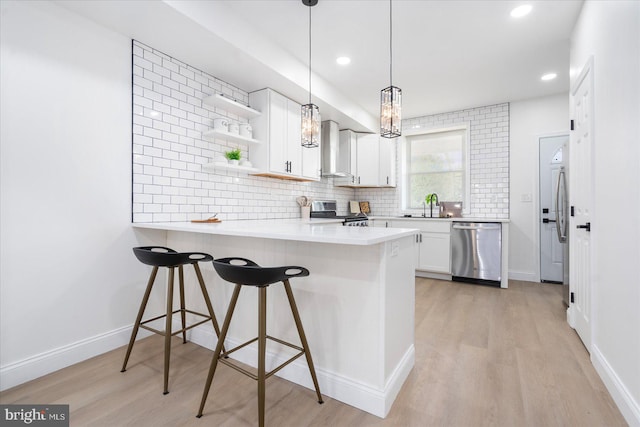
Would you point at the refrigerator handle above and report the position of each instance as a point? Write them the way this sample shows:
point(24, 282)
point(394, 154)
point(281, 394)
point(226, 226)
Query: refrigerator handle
point(561, 223)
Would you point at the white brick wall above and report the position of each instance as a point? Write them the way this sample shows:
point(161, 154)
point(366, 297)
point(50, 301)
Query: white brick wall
point(169, 183)
point(489, 158)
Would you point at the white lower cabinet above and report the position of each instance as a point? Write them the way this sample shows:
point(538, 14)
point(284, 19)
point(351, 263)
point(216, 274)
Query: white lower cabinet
point(435, 252)
point(434, 244)
point(383, 223)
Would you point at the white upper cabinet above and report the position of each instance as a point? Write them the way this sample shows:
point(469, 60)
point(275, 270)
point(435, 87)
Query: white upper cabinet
point(279, 126)
point(311, 163)
point(387, 169)
point(370, 159)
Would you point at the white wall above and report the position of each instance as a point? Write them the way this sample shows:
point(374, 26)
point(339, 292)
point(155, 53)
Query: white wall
point(528, 121)
point(69, 282)
point(610, 31)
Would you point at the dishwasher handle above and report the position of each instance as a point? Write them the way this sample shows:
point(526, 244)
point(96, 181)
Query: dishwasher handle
point(476, 227)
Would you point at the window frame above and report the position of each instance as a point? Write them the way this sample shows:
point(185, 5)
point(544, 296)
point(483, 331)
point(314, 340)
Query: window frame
point(403, 182)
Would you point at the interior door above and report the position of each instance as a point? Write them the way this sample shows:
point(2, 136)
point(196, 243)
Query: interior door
point(552, 162)
point(581, 184)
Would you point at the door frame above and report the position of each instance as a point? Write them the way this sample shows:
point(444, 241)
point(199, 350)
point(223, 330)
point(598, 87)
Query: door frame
point(537, 218)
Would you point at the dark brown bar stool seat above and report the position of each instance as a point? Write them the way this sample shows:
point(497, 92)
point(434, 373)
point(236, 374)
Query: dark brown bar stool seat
point(159, 256)
point(242, 271)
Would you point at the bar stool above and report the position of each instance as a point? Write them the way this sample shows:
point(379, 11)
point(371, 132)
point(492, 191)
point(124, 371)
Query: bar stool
point(242, 271)
point(159, 256)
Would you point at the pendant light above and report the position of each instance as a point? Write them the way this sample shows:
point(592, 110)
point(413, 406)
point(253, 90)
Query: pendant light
point(390, 98)
point(310, 112)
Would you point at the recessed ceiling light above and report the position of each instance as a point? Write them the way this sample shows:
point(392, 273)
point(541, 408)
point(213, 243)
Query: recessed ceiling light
point(548, 76)
point(521, 11)
point(343, 60)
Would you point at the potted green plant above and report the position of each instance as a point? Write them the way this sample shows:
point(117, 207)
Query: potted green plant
point(233, 156)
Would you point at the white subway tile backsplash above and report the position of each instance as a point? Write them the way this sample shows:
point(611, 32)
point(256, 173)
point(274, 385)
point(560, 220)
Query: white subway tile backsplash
point(489, 159)
point(168, 181)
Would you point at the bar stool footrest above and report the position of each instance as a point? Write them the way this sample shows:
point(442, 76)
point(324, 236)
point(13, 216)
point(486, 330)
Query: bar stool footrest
point(186, 328)
point(223, 357)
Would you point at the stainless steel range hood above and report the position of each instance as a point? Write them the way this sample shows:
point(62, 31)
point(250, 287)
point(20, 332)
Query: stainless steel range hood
point(332, 166)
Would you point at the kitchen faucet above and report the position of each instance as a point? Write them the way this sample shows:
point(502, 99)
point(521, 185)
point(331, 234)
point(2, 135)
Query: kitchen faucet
point(431, 198)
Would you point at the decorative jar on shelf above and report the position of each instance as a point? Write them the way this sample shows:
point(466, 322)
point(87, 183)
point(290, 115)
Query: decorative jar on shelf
point(246, 130)
point(221, 125)
point(234, 128)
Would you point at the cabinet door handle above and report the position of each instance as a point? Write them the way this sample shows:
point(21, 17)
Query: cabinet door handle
point(387, 180)
point(358, 180)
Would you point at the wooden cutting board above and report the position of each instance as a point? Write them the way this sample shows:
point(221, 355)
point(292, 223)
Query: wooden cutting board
point(364, 207)
point(209, 220)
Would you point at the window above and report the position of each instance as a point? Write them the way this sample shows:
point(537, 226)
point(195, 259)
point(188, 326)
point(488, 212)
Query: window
point(436, 161)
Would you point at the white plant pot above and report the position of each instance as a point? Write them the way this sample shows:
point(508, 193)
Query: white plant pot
point(234, 162)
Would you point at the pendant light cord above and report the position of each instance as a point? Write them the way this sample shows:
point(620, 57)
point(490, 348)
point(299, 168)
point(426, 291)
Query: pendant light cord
point(309, 54)
point(390, 46)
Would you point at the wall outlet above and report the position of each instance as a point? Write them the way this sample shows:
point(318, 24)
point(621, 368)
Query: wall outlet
point(526, 197)
point(395, 248)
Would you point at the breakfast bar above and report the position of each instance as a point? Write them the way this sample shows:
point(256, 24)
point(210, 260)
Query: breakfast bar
point(357, 305)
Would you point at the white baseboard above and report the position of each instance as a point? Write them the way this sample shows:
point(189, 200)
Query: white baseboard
point(524, 276)
point(36, 366)
point(629, 408)
point(362, 396)
point(432, 275)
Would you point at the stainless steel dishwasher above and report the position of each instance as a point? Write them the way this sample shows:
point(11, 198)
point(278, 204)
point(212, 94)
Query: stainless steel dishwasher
point(476, 252)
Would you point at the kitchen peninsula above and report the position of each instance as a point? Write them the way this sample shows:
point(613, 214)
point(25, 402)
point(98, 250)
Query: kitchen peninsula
point(357, 306)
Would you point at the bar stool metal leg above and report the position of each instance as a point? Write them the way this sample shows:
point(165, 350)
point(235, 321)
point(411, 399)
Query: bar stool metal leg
point(183, 314)
point(207, 301)
point(167, 336)
point(136, 326)
point(262, 350)
point(219, 345)
point(303, 338)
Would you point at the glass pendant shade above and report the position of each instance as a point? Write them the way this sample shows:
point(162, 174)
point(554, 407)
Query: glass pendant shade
point(310, 125)
point(391, 112)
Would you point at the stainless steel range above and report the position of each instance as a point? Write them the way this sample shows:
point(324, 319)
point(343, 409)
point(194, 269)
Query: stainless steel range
point(328, 209)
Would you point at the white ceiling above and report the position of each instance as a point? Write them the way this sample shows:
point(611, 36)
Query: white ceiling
point(447, 55)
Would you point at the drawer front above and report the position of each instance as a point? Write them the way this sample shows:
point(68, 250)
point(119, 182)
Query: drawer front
point(435, 226)
point(430, 226)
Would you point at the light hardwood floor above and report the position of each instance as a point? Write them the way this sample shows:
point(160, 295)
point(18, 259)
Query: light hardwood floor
point(484, 356)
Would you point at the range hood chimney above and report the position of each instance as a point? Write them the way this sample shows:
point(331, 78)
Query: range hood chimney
point(331, 164)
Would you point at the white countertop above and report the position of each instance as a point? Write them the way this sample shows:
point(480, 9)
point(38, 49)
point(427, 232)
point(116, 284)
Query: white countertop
point(419, 218)
point(314, 230)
